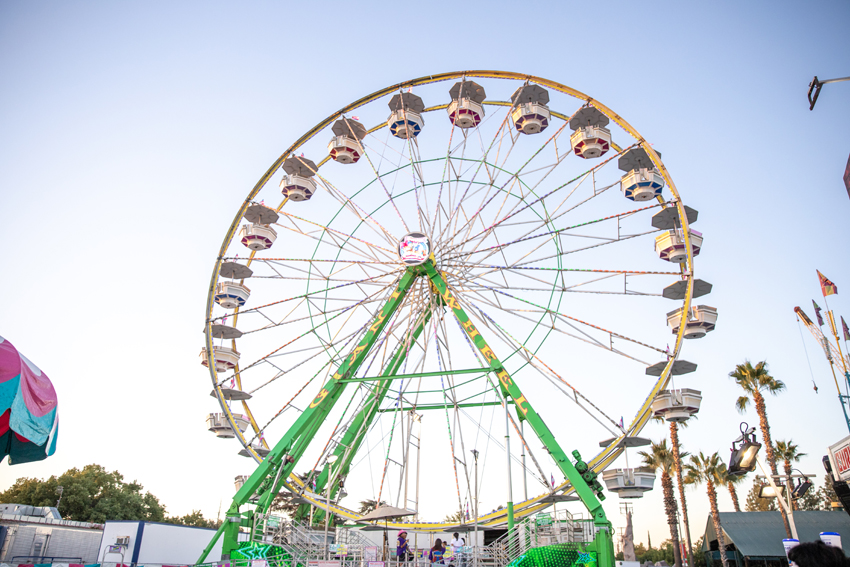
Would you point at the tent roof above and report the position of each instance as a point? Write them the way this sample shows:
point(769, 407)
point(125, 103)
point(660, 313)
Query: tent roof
point(760, 534)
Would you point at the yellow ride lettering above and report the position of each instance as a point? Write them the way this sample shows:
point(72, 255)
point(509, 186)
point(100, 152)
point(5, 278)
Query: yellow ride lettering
point(522, 404)
point(322, 395)
point(505, 378)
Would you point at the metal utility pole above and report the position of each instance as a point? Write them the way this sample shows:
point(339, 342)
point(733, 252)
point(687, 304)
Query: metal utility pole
point(524, 469)
point(59, 491)
point(815, 87)
point(508, 454)
point(475, 541)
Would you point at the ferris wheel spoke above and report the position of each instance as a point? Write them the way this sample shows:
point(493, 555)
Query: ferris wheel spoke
point(582, 335)
point(535, 362)
point(372, 247)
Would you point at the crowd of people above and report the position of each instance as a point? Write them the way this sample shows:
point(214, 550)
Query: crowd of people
point(437, 554)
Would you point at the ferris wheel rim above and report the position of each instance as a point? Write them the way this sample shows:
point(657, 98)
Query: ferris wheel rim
point(604, 457)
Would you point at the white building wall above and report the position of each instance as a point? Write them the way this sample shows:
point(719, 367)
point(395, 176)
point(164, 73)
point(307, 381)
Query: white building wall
point(74, 543)
point(165, 544)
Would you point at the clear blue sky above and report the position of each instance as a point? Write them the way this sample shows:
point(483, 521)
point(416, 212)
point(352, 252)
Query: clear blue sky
point(131, 132)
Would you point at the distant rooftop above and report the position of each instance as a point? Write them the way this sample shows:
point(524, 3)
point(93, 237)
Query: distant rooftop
point(40, 515)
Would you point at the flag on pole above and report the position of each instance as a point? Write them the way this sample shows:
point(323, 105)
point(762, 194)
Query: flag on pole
point(622, 425)
point(817, 313)
point(826, 286)
point(552, 477)
point(845, 329)
point(356, 117)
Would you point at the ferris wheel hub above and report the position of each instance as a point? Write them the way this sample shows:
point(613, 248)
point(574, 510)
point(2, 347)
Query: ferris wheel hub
point(414, 248)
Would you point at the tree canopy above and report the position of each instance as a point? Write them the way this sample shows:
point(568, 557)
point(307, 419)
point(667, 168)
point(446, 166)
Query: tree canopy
point(96, 495)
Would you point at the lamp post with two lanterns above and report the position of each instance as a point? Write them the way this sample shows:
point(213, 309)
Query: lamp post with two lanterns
point(744, 459)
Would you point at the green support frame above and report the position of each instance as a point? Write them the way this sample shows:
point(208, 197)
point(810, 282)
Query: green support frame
point(270, 476)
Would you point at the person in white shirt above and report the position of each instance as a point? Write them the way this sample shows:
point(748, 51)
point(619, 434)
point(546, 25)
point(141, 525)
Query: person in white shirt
point(457, 546)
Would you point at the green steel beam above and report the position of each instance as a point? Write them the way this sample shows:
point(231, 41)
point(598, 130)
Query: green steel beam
point(356, 432)
point(289, 448)
point(420, 375)
point(526, 412)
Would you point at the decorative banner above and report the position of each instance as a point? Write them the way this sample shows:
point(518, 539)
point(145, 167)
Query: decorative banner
point(29, 422)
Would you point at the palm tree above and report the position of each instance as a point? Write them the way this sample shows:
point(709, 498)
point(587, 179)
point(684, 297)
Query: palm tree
point(709, 470)
point(730, 481)
point(677, 460)
point(789, 453)
point(662, 458)
point(754, 380)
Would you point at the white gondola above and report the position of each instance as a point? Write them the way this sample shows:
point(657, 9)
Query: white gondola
point(231, 295)
point(591, 141)
point(257, 236)
point(702, 320)
point(344, 150)
point(405, 124)
point(670, 245)
point(467, 107)
point(642, 184)
point(629, 483)
point(218, 424)
point(297, 188)
point(531, 118)
point(676, 405)
point(226, 358)
point(465, 113)
point(239, 481)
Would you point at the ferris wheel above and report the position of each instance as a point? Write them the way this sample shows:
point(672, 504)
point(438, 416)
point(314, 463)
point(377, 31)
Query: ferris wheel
point(473, 261)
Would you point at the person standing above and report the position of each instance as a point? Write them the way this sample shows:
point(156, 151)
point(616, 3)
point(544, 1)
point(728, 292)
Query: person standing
point(437, 552)
point(457, 548)
point(401, 547)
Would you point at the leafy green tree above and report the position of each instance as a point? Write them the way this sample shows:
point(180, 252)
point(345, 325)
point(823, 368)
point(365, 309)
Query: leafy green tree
point(755, 380)
point(196, 518)
point(709, 470)
point(699, 558)
point(367, 506)
point(660, 457)
point(92, 494)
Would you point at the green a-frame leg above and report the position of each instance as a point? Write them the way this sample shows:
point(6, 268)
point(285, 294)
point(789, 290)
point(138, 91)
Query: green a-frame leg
point(268, 478)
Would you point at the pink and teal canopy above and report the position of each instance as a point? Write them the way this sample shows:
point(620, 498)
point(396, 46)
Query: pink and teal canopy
point(29, 422)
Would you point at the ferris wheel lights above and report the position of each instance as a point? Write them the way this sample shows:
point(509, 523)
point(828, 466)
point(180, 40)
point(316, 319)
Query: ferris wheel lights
point(590, 138)
point(670, 245)
point(642, 184)
point(231, 295)
point(677, 405)
point(406, 119)
point(257, 237)
point(702, 320)
point(225, 358)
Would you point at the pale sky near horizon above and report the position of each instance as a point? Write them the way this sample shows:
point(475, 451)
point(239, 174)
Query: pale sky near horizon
point(130, 133)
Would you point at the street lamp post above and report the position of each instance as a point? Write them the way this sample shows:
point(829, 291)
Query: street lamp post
point(475, 539)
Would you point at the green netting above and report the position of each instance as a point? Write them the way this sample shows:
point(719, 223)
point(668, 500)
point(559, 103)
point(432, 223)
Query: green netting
point(558, 555)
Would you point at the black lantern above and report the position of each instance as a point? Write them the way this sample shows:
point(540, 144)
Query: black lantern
point(802, 487)
point(743, 458)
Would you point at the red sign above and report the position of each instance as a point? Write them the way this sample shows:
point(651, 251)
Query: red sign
point(839, 456)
